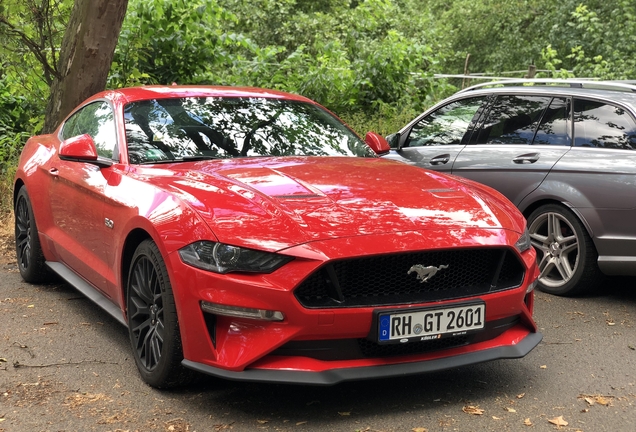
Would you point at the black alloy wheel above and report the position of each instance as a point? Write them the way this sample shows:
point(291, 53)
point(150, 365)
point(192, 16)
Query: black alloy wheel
point(31, 262)
point(152, 320)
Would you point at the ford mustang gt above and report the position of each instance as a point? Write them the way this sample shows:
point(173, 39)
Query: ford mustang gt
point(251, 235)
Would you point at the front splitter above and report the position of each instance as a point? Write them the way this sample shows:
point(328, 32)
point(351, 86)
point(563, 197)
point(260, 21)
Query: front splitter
point(335, 376)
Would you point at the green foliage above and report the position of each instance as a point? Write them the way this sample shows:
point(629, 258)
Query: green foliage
point(165, 41)
point(603, 41)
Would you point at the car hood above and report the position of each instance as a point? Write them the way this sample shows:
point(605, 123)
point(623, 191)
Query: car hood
point(276, 203)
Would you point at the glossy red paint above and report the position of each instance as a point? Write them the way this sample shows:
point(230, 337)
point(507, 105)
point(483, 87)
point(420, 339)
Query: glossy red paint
point(79, 147)
point(377, 142)
point(314, 209)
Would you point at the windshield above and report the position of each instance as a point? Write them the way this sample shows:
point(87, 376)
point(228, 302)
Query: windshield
point(164, 130)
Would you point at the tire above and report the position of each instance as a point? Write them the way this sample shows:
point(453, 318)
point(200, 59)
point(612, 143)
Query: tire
point(31, 262)
point(152, 320)
point(566, 255)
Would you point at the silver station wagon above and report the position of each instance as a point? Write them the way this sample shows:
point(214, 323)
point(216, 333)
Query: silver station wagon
point(564, 152)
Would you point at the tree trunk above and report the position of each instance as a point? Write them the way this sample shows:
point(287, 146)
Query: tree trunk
point(85, 57)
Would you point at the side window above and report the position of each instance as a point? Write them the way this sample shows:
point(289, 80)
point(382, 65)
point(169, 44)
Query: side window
point(555, 124)
point(448, 125)
point(97, 120)
point(597, 124)
point(512, 119)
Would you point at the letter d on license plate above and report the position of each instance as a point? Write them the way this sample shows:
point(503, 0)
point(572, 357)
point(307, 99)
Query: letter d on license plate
point(431, 323)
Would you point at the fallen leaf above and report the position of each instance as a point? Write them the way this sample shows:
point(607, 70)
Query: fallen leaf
point(519, 396)
point(558, 421)
point(512, 410)
point(589, 401)
point(496, 418)
point(544, 367)
point(301, 423)
point(3, 360)
point(419, 429)
point(610, 323)
point(262, 421)
point(602, 400)
point(344, 413)
point(31, 306)
point(474, 410)
point(527, 422)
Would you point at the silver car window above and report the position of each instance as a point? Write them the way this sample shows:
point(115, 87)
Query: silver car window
point(512, 119)
point(598, 124)
point(447, 125)
point(555, 124)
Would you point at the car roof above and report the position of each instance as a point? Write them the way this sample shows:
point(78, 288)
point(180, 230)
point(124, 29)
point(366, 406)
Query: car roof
point(132, 94)
point(608, 90)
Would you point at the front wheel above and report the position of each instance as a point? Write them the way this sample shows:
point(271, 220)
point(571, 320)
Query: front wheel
point(152, 320)
point(566, 255)
point(31, 262)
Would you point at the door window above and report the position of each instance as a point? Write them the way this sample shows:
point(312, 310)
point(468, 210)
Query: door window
point(555, 124)
point(97, 120)
point(597, 124)
point(512, 119)
point(447, 125)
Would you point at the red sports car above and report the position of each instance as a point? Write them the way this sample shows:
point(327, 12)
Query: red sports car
point(251, 235)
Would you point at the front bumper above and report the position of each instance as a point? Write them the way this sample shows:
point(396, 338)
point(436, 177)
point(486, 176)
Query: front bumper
point(256, 350)
point(335, 376)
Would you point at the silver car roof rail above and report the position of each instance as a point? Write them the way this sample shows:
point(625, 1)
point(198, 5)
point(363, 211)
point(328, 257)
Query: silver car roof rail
point(575, 83)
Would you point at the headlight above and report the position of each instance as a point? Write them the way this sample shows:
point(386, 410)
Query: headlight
point(524, 243)
point(222, 258)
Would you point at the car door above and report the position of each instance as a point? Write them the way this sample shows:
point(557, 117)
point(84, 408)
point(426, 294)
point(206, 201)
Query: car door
point(599, 177)
point(77, 195)
point(516, 144)
point(434, 140)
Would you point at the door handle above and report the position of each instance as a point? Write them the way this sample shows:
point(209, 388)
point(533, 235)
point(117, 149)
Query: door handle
point(526, 158)
point(54, 172)
point(440, 160)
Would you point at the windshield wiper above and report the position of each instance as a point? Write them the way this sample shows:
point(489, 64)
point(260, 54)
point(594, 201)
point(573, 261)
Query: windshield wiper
point(190, 158)
point(198, 158)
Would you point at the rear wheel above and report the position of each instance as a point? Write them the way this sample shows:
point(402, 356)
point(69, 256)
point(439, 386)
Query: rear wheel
point(565, 252)
point(152, 320)
point(31, 262)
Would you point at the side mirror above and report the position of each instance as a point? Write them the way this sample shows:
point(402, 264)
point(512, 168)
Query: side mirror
point(82, 149)
point(394, 140)
point(377, 143)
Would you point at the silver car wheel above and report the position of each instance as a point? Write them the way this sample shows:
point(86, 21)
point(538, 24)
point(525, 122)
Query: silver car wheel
point(557, 246)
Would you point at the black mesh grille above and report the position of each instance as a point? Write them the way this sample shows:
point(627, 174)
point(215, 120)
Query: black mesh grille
point(385, 279)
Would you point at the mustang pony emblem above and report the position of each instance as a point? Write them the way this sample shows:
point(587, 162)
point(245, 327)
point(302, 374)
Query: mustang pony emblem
point(425, 273)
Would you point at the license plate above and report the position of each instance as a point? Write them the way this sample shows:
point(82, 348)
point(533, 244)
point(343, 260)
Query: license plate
point(427, 324)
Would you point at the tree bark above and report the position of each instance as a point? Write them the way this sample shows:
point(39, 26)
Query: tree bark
point(85, 56)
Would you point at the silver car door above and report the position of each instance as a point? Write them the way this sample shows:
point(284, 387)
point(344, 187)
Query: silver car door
point(435, 139)
point(598, 178)
point(519, 141)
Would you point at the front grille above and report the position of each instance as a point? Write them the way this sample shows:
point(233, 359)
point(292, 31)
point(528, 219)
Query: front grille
point(385, 279)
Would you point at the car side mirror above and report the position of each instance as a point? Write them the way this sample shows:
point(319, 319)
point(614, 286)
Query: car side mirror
point(377, 143)
point(81, 149)
point(394, 140)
